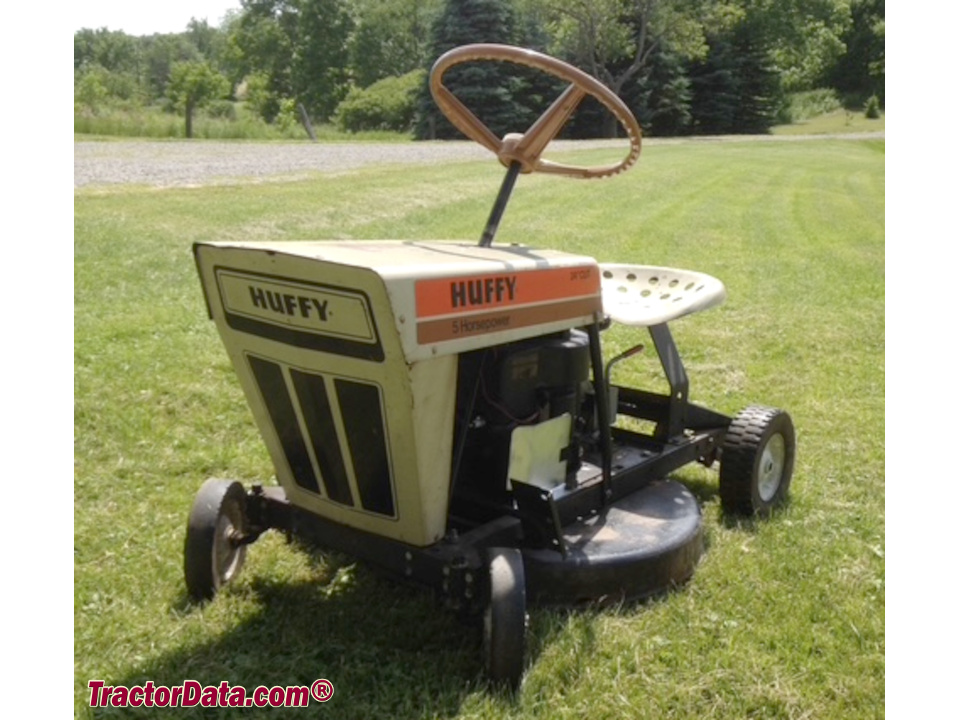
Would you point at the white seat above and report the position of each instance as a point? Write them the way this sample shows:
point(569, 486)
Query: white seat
point(644, 295)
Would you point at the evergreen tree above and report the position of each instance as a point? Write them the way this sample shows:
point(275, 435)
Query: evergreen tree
point(716, 89)
point(760, 95)
point(661, 96)
point(736, 88)
point(490, 89)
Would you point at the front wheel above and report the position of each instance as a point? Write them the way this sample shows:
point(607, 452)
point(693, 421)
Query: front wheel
point(756, 462)
point(505, 618)
point(214, 550)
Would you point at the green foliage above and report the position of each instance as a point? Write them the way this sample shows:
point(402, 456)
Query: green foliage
point(89, 91)
point(320, 63)
point(683, 66)
point(615, 40)
point(388, 104)
point(261, 43)
point(390, 38)
point(113, 50)
point(860, 72)
point(736, 88)
point(300, 45)
point(255, 90)
point(194, 84)
point(160, 54)
point(801, 106)
point(662, 95)
point(245, 124)
point(96, 87)
point(287, 116)
point(491, 90)
point(871, 109)
point(223, 109)
point(805, 36)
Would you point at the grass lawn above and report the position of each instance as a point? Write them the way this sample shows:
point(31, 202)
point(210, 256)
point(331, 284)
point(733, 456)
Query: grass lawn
point(783, 619)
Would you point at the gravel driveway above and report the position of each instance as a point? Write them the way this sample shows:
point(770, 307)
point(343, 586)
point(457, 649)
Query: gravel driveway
point(185, 163)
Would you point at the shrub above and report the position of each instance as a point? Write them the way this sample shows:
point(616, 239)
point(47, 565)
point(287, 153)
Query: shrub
point(255, 89)
point(97, 89)
point(224, 109)
point(872, 107)
point(287, 118)
point(89, 93)
point(388, 104)
point(805, 105)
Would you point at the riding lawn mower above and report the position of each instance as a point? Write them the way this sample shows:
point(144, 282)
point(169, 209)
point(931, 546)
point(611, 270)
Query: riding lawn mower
point(444, 411)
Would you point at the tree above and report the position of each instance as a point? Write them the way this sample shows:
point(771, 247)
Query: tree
point(805, 37)
point(114, 51)
point(193, 84)
point(662, 95)
point(108, 66)
point(160, 54)
point(614, 40)
point(261, 43)
point(390, 38)
point(716, 89)
point(490, 90)
point(89, 90)
point(860, 70)
point(320, 77)
point(737, 88)
point(300, 45)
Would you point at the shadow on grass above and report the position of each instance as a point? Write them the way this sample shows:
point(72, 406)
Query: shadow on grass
point(387, 648)
point(752, 524)
point(704, 489)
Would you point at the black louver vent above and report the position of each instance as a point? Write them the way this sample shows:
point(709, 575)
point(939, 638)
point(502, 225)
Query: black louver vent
point(362, 419)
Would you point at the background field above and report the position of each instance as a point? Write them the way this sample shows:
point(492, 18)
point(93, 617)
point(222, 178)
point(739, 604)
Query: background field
point(783, 619)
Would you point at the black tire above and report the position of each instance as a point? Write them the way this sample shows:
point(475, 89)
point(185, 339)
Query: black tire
point(211, 555)
point(505, 618)
point(756, 463)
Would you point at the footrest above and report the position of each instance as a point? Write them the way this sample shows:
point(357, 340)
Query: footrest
point(645, 295)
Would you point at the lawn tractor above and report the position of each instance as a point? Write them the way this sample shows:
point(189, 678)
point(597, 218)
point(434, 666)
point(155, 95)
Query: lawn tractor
point(443, 410)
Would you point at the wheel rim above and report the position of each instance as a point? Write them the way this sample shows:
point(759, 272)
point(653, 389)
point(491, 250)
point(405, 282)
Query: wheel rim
point(226, 553)
point(772, 463)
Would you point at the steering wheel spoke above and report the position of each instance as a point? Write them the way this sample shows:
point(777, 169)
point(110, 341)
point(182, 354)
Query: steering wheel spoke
point(466, 121)
point(526, 149)
point(548, 125)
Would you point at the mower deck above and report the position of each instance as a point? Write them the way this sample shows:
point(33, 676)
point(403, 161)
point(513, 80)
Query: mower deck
point(641, 545)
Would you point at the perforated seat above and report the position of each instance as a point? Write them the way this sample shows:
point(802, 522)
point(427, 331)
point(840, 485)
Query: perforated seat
point(645, 295)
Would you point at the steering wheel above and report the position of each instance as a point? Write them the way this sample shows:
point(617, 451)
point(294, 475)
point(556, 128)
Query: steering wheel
point(526, 149)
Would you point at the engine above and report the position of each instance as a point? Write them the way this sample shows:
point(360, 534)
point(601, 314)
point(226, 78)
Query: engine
point(509, 386)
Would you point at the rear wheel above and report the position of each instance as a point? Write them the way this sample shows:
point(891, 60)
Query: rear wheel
point(756, 463)
point(505, 618)
point(213, 552)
